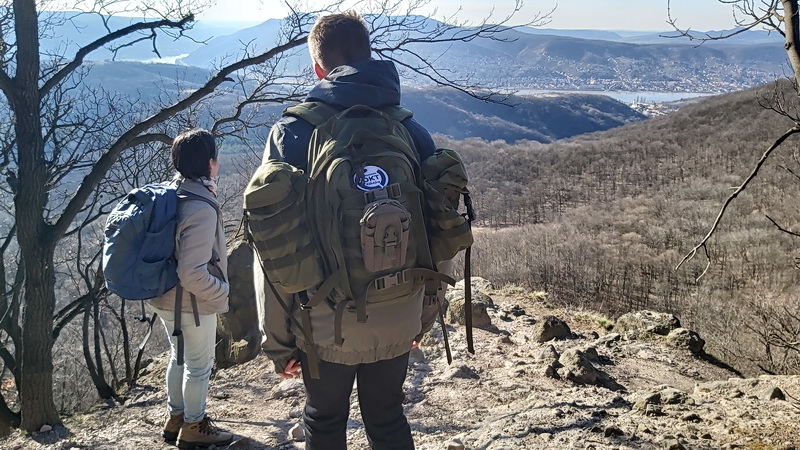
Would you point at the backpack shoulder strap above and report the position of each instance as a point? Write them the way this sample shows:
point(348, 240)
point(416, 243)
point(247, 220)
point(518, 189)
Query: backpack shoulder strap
point(398, 113)
point(315, 113)
point(190, 196)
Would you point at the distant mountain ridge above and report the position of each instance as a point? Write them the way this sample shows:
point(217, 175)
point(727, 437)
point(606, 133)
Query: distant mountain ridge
point(533, 58)
point(68, 31)
point(749, 37)
point(547, 61)
point(443, 111)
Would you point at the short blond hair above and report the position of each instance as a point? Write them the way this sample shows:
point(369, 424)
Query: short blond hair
point(338, 39)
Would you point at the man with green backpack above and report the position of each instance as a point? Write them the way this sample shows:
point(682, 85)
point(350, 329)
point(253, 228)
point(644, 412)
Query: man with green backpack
point(351, 214)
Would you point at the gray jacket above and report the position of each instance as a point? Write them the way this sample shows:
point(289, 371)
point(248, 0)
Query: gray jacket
point(202, 259)
point(390, 329)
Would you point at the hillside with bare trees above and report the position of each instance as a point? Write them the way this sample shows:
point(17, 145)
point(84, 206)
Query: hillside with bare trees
point(602, 220)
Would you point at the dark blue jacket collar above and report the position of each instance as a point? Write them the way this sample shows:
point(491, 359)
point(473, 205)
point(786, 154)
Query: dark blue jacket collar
point(372, 83)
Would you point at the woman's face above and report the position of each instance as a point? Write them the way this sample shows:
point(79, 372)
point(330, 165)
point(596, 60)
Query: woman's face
point(213, 167)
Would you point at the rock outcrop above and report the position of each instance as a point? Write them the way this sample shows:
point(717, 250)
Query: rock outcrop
point(644, 386)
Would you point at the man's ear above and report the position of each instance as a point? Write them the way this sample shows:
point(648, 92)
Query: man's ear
point(319, 71)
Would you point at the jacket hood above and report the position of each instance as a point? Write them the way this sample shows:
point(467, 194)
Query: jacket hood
point(196, 188)
point(371, 83)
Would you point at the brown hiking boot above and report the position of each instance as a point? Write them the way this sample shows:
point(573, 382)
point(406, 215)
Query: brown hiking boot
point(172, 427)
point(202, 434)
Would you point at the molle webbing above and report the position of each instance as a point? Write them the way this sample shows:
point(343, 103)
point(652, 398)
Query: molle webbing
point(274, 203)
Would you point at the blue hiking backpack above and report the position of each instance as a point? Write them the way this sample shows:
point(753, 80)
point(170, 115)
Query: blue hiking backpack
point(139, 249)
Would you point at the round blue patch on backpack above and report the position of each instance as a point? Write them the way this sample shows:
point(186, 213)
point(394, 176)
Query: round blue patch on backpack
point(374, 178)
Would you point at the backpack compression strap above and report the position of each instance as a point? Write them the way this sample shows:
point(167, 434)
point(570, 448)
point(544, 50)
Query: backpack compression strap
point(470, 216)
point(305, 328)
point(177, 331)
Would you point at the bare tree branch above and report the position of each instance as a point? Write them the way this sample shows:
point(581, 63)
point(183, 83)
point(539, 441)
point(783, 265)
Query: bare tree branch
point(105, 162)
point(83, 52)
point(794, 130)
point(744, 7)
point(780, 227)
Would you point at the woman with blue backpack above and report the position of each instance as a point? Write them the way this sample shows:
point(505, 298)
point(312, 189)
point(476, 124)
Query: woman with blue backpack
point(189, 310)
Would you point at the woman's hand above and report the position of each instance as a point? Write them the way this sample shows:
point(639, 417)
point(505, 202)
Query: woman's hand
point(292, 370)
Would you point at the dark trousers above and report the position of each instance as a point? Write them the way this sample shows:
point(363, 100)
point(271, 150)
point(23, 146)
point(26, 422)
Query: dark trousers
point(380, 396)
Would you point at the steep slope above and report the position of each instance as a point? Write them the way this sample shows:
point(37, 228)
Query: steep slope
point(630, 389)
point(604, 219)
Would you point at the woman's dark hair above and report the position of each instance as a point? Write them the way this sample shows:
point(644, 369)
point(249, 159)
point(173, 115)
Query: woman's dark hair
point(191, 151)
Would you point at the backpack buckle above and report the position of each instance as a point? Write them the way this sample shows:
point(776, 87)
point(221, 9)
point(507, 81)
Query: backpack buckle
point(393, 191)
point(390, 280)
point(375, 195)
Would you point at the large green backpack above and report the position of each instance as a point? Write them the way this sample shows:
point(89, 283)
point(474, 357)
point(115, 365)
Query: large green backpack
point(365, 208)
point(379, 220)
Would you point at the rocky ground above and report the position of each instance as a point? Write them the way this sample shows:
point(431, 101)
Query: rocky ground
point(540, 378)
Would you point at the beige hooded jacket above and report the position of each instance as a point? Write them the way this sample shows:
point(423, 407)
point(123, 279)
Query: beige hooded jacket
point(200, 251)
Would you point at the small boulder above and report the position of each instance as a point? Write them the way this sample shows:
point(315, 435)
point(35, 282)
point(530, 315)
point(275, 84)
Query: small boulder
point(457, 296)
point(647, 321)
point(776, 394)
point(480, 315)
point(691, 417)
point(551, 370)
point(591, 353)
point(548, 354)
point(608, 340)
point(673, 444)
point(291, 387)
point(577, 367)
point(687, 339)
point(478, 284)
point(455, 444)
point(296, 433)
point(663, 395)
point(549, 328)
point(480, 292)
point(242, 444)
point(517, 311)
point(462, 371)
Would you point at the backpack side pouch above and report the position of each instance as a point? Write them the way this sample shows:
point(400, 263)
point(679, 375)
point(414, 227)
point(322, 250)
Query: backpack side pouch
point(445, 172)
point(274, 204)
point(445, 181)
point(385, 229)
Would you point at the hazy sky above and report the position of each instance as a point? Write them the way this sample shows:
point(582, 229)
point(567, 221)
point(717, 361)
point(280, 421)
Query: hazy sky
point(588, 14)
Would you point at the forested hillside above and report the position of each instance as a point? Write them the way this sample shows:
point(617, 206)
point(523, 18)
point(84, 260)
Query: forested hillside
point(445, 111)
point(602, 220)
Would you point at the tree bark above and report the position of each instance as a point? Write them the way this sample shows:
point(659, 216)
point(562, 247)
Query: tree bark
point(36, 247)
point(791, 23)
